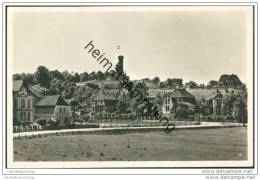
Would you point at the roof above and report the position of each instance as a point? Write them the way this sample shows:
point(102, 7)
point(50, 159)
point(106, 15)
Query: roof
point(37, 90)
point(155, 92)
point(17, 85)
point(181, 93)
point(214, 96)
point(52, 101)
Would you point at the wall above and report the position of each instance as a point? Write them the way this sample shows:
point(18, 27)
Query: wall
point(63, 114)
point(25, 107)
point(167, 101)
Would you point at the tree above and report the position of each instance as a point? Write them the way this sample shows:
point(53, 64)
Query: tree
point(100, 75)
point(57, 84)
point(133, 105)
point(212, 83)
point(17, 77)
point(240, 109)
point(159, 100)
point(174, 107)
point(121, 107)
point(43, 77)
point(185, 109)
point(74, 105)
point(29, 78)
point(232, 80)
point(175, 82)
point(92, 75)
point(107, 74)
point(191, 84)
point(162, 84)
point(76, 78)
point(68, 76)
point(156, 80)
point(56, 74)
point(84, 77)
point(141, 88)
point(69, 89)
point(169, 82)
point(65, 75)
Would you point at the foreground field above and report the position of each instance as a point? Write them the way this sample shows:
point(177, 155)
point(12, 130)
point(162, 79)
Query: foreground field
point(180, 145)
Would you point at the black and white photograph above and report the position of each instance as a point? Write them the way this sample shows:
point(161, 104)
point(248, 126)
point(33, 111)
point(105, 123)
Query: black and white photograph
point(129, 86)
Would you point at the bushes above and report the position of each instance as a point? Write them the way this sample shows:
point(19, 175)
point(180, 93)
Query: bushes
point(92, 85)
point(218, 118)
point(184, 110)
point(92, 125)
point(72, 126)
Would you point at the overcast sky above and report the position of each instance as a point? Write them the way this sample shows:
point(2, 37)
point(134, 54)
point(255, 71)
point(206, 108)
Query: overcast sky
point(176, 43)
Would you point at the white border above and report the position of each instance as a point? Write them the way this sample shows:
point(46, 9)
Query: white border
point(128, 171)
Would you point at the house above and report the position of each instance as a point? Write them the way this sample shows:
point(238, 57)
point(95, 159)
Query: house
point(53, 108)
point(213, 104)
point(24, 99)
point(104, 102)
point(178, 95)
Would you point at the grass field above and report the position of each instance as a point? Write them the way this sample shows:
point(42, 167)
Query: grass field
point(180, 145)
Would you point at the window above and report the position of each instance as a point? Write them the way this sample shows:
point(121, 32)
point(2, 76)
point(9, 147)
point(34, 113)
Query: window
point(167, 100)
point(28, 116)
point(167, 108)
point(60, 109)
point(24, 116)
point(29, 104)
point(21, 116)
point(22, 103)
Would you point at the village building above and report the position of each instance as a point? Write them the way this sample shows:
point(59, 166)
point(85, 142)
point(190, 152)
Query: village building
point(53, 108)
point(213, 104)
point(24, 99)
point(178, 95)
point(105, 101)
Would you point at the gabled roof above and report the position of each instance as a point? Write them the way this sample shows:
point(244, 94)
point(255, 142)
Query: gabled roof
point(52, 101)
point(214, 96)
point(17, 85)
point(181, 93)
point(37, 90)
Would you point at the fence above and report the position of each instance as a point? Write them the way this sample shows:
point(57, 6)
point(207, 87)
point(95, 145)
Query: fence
point(218, 118)
point(68, 132)
point(128, 120)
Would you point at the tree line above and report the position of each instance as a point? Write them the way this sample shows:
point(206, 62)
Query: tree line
point(63, 82)
point(44, 76)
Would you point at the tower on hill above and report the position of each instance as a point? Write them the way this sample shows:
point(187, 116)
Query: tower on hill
point(120, 65)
